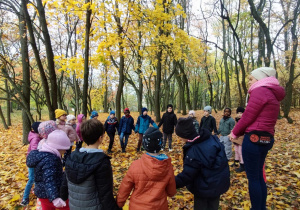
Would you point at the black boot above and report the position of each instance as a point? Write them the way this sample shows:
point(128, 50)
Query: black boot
point(241, 168)
point(234, 164)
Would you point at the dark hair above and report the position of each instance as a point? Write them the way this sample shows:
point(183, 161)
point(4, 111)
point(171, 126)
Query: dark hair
point(228, 109)
point(91, 130)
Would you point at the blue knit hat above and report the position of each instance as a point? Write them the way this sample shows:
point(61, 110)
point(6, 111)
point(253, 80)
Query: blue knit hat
point(112, 112)
point(208, 109)
point(144, 109)
point(35, 126)
point(94, 114)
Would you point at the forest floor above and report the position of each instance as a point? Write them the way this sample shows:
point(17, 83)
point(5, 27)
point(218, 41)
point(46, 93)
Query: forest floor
point(282, 168)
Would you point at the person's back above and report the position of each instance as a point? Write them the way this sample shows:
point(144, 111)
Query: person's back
point(151, 178)
point(90, 181)
point(89, 173)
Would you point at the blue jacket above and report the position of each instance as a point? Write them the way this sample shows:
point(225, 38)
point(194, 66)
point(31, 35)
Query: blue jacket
point(48, 174)
point(143, 124)
point(126, 125)
point(205, 167)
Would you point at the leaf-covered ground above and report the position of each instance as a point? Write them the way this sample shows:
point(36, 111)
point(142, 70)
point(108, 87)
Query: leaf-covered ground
point(282, 168)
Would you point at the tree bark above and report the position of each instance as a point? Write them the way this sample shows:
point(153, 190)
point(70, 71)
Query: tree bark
point(86, 60)
point(3, 119)
point(8, 103)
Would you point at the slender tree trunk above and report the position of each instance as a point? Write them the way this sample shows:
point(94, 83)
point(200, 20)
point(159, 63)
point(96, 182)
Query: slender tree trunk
point(26, 76)
point(8, 103)
point(86, 61)
point(3, 119)
point(105, 103)
point(227, 84)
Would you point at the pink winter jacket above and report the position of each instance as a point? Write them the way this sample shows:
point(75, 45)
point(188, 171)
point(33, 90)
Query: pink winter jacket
point(34, 139)
point(69, 130)
point(263, 107)
point(79, 119)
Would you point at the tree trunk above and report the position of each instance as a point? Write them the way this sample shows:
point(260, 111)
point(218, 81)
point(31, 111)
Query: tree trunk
point(86, 60)
point(49, 52)
point(227, 84)
point(26, 76)
point(157, 84)
point(8, 103)
point(3, 119)
point(105, 103)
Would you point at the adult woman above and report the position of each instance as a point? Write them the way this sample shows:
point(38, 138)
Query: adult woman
point(258, 124)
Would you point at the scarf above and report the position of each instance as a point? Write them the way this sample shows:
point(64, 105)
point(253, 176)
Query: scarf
point(47, 148)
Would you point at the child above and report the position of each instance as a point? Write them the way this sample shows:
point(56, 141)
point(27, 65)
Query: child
point(71, 120)
point(151, 178)
point(169, 121)
point(195, 122)
point(48, 170)
point(80, 118)
point(89, 173)
point(94, 115)
point(205, 168)
point(111, 125)
point(125, 128)
point(34, 139)
point(225, 127)
point(142, 124)
point(208, 121)
point(238, 143)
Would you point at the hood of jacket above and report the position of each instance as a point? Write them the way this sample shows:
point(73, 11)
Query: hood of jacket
point(153, 168)
point(33, 135)
point(79, 118)
point(81, 165)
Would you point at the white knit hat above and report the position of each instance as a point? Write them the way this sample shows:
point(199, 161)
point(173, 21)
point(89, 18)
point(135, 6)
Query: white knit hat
point(192, 112)
point(263, 72)
point(70, 117)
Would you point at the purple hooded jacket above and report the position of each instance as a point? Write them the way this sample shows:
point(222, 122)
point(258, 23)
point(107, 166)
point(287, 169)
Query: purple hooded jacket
point(263, 108)
point(79, 119)
point(34, 139)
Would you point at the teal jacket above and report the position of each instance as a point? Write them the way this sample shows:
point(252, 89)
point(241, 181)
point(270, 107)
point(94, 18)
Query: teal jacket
point(226, 126)
point(143, 124)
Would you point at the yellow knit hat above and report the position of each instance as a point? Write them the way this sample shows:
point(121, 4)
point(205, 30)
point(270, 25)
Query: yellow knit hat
point(59, 113)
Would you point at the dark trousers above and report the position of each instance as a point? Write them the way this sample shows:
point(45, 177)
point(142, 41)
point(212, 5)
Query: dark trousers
point(111, 140)
point(140, 140)
point(254, 156)
point(167, 136)
point(206, 203)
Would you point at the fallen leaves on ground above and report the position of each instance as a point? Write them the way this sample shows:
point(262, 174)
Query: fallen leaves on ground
point(282, 168)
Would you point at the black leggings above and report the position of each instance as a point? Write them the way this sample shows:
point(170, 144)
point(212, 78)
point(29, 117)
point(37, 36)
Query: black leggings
point(111, 140)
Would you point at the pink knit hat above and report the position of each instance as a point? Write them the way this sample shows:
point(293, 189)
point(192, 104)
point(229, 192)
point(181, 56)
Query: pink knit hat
point(59, 140)
point(46, 127)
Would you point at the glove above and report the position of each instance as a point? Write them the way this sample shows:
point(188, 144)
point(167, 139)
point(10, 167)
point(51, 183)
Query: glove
point(58, 203)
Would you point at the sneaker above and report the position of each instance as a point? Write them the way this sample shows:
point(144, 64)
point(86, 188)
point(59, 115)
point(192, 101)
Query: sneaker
point(170, 150)
point(123, 150)
point(25, 202)
point(137, 149)
point(234, 164)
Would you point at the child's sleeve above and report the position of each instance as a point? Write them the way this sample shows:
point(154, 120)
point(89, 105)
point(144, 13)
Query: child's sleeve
point(34, 143)
point(201, 122)
point(161, 121)
point(104, 184)
point(191, 169)
point(153, 123)
point(175, 120)
point(50, 173)
point(219, 131)
point(214, 124)
point(125, 188)
point(64, 194)
point(120, 127)
point(137, 125)
point(232, 124)
point(171, 187)
point(105, 125)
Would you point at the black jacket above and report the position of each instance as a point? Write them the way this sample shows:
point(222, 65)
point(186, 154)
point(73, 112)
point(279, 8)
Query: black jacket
point(209, 123)
point(111, 125)
point(169, 122)
point(205, 167)
point(90, 182)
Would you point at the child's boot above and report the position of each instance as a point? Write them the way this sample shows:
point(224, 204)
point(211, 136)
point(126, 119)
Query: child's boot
point(241, 168)
point(235, 163)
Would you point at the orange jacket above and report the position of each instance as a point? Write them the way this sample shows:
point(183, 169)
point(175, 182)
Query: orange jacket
point(151, 180)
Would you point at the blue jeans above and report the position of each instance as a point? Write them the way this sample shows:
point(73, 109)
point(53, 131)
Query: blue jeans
point(254, 156)
point(122, 135)
point(29, 183)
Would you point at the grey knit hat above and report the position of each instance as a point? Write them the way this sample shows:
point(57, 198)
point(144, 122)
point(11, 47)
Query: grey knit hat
point(208, 108)
point(263, 72)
